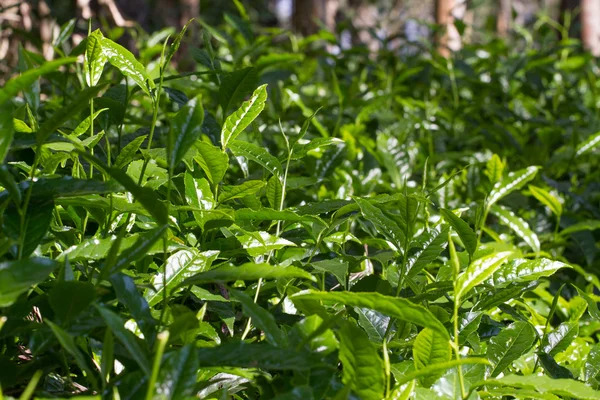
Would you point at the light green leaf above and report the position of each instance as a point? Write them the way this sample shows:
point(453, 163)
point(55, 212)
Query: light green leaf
point(257, 154)
point(547, 199)
point(186, 128)
point(523, 270)
point(393, 306)
point(18, 276)
point(514, 181)
point(589, 225)
point(510, 344)
point(94, 60)
point(591, 370)
point(518, 225)
point(478, 271)
point(85, 124)
point(236, 192)
point(440, 367)
point(124, 61)
point(545, 384)
point(560, 338)
point(337, 267)
point(117, 325)
point(261, 318)
point(494, 169)
point(212, 160)
point(260, 243)
point(179, 266)
point(588, 145)
point(362, 366)
point(246, 272)
point(466, 234)
point(302, 150)
point(239, 120)
point(128, 152)
point(430, 348)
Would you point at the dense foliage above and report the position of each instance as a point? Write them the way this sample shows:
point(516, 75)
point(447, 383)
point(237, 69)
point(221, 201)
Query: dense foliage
point(286, 222)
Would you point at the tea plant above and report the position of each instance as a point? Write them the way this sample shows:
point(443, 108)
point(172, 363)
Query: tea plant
point(284, 223)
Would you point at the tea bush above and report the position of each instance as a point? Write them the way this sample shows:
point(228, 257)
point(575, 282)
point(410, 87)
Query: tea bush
point(285, 223)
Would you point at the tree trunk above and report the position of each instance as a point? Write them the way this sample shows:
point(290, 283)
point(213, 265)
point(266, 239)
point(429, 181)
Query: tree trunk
point(590, 25)
point(448, 39)
point(306, 13)
point(504, 17)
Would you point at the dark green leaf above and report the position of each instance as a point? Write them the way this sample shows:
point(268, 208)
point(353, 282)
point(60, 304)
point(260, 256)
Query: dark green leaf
point(560, 338)
point(466, 234)
point(69, 298)
point(18, 276)
point(186, 128)
point(261, 318)
point(510, 344)
point(235, 86)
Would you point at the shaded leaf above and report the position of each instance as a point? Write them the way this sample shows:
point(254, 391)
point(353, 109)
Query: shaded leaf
point(261, 318)
point(510, 344)
point(466, 234)
point(18, 276)
point(186, 129)
point(430, 348)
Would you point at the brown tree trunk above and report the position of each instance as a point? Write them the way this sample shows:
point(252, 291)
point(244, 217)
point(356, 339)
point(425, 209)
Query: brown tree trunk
point(306, 13)
point(590, 25)
point(448, 39)
point(504, 17)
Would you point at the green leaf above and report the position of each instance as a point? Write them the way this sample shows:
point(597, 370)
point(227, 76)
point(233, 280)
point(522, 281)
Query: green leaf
point(393, 306)
point(67, 342)
point(510, 344)
point(260, 243)
point(243, 190)
point(591, 369)
point(337, 267)
point(440, 367)
point(78, 103)
point(494, 169)
point(257, 154)
point(124, 61)
point(560, 338)
point(45, 188)
point(138, 250)
point(6, 129)
point(261, 318)
point(430, 245)
point(146, 196)
point(547, 199)
point(386, 225)
point(552, 368)
point(69, 298)
point(588, 145)
point(93, 63)
point(235, 86)
point(430, 348)
point(18, 276)
point(592, 304)
point(246, 272)
point(269, 214)
point(302, 150)
point(518, 225)
point(85, 124)
point(373, 322)
point(544, 384)
point(186, 129)
point(128, 152)
point(117, 325)
point(212, 160)
point(466, 234)
point(128, 295)
point(589, 225)
point(24, 80)
point(178, 374)
point(255, 355)
point(239, 120)
point(478, 271)
point(7, 180)
point(523, 270)
point(362, 366)
point(179, 266)
point(514, 181)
